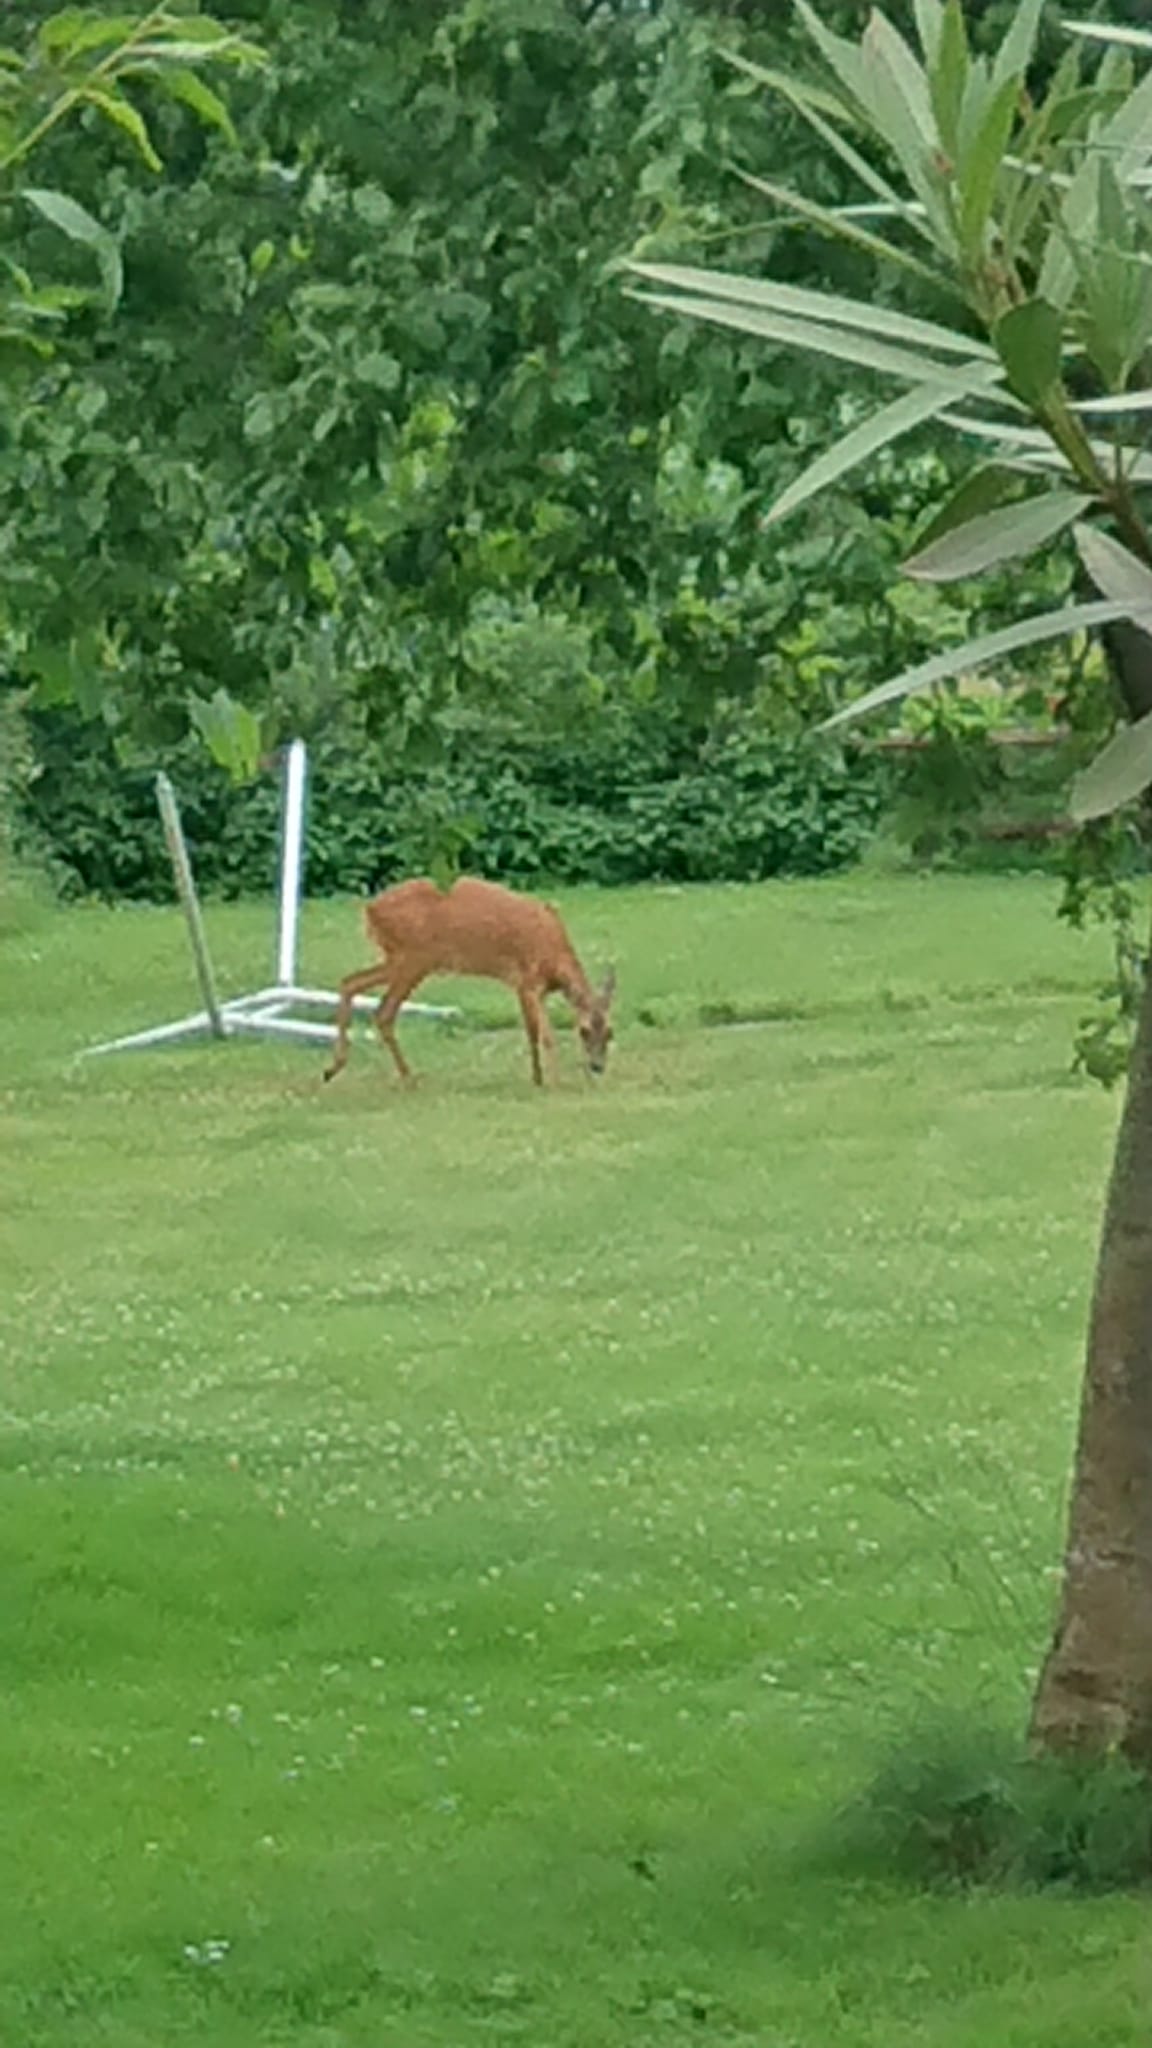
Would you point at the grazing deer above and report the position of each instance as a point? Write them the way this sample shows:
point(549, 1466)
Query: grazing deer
point(474, 928)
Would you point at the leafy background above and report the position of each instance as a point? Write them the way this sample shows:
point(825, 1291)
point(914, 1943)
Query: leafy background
point(376, 442)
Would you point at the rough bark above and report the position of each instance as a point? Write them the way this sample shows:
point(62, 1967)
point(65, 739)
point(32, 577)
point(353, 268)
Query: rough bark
point(1095, 1691)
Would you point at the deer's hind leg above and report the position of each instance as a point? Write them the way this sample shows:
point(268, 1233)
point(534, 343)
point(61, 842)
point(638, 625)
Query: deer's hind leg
point(397, 993)
point(353, 985)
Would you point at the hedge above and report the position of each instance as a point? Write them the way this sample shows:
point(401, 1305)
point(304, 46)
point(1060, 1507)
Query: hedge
point(742, 807)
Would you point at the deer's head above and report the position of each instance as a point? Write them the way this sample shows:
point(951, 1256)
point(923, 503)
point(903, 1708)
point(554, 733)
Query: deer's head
point(595, 1025)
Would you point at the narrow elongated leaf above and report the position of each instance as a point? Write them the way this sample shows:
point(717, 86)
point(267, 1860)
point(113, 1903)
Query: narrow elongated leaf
point(844, 345)
point(1028, 341)
point(79, 225)
point(808, 107)
point(1101, 32)
point(797, 89)
point(123, 114)
point(929, 28)
point(1039, 447)
point(1124, 401)
point(68, 215)
point(981, 492)
point(996, 537)
point(842, 57)
point(1019, 46)
point(883, 41)
point(1126, 140)
point(1121, 772)
point(981, 166)
point(222, 49)
point(950, 77)
point(897, 96)
point(830, 308)
point(187, 85)
point(857, 447)
point(836, 223)
point(1116, 572)
point(1072, 618)
point(978, 96)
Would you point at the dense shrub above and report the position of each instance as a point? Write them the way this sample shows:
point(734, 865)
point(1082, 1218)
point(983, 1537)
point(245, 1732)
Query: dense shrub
point(958, 1802)
point(632, 809)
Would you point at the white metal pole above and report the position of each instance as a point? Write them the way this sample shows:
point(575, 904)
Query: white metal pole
point(291, 862)
point(189, 901)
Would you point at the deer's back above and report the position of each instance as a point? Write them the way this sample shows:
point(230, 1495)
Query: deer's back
point(472, 928)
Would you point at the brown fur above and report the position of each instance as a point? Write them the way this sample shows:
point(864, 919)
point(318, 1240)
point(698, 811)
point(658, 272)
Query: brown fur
point(474, 928)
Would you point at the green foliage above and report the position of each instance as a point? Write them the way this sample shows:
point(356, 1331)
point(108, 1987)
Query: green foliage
point(22, 883)
point(370, 386)
point(76, 65)
point(1101, 875)
point(956, 1804)
point(621, 809)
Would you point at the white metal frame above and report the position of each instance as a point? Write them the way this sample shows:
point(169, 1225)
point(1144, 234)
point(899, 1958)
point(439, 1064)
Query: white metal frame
point(266, 1013)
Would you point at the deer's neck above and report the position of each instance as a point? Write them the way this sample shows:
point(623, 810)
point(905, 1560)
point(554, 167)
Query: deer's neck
point(573, 984)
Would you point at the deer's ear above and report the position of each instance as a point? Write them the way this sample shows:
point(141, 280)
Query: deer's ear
point(608, 987)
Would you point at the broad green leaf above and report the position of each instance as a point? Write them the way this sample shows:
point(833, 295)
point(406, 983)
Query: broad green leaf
point(75, 31)
point(830, 308)
point(231, 733)
point(79, 225)
point(1019, 46)
point(996, 537)
point(1073, 618)
point(123, 114)
point(1116, 572)
point(980, 493)
point(846, 346)
point(68, 672)
point(194, 91)
point(844, 229)
point(1028, 341)
point(1121, 772)
point(864, 441)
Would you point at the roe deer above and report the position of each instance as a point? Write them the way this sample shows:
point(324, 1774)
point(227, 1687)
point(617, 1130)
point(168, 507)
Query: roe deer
point(474, 928)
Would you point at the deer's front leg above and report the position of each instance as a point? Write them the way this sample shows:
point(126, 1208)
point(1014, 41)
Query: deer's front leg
point(536, 1026)
point(353, 985)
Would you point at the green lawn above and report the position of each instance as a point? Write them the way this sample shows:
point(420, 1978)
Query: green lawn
point(457, 1544)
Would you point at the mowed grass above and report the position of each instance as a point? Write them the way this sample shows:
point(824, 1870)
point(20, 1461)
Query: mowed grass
point(459, 1546)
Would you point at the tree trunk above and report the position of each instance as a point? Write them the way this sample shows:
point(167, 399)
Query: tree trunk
point(1095, 1691)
